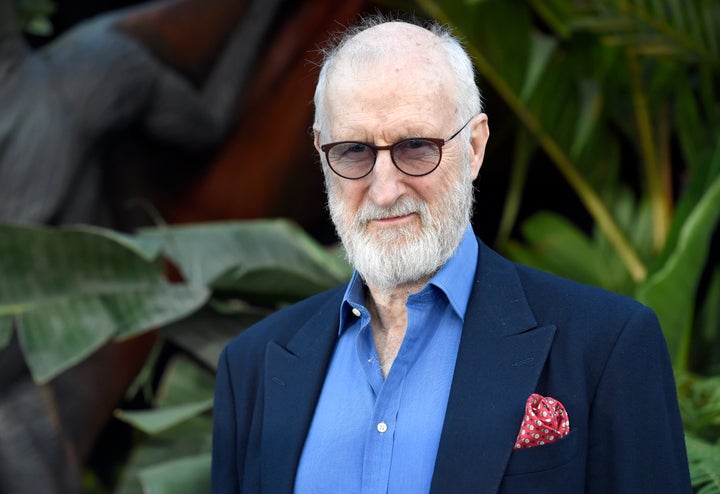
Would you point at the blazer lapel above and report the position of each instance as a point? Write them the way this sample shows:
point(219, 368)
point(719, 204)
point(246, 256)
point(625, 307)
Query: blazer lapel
point(294, 376)
point(501, 356)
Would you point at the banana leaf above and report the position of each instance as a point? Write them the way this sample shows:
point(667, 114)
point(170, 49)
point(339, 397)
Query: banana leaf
point(262, 261)
point(178, 434)
point(5, 330)
point(554, 244)
point(708, 323)
point(671, 291)
point(189, 439)
point(217, 329)
point(185, 392)
point(160, 419)
point(188, 475)
point(71, 290)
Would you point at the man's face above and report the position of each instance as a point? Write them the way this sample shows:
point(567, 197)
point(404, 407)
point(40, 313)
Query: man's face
point(399, 229)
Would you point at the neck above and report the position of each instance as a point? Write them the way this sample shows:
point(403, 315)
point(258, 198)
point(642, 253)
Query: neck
point(388, 318)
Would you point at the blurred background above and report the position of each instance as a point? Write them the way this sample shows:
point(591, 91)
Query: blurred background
point(178, 134)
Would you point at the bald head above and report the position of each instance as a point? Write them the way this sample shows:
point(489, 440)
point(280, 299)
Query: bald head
point(388, 52)
point(390, 42)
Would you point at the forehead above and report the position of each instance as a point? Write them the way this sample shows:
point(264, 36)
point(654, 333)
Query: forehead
point(399, 73)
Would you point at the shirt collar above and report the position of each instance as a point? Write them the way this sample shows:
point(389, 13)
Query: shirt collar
point(456, 277)
point(455, 280)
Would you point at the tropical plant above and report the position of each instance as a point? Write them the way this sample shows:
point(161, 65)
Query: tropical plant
point(701, 411)
point(66, 291)
point(606, 90)
point(621, 96)
point(34, 16)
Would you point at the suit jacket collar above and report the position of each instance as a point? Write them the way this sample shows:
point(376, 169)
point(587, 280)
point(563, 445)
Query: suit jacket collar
point(499, 362)
point(502, 353)
point(294, 375)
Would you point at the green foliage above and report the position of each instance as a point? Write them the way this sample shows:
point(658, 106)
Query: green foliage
point(65, 291)
point(174, 456)
point(602, 87)
point(34, 16)
point(605, 90)
point(160, 419)
point(254, 260)
point(184, 475)
point(69, 291)
point(639, 91)
point(5, 330)
point(700, 405)
point(186, 391)
point(671, 290)
point(704, 459)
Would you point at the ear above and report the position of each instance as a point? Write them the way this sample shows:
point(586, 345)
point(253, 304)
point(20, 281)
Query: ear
point(316, 139)
point(478, 141)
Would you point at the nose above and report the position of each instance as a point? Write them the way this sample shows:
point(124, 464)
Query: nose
point(386, 181)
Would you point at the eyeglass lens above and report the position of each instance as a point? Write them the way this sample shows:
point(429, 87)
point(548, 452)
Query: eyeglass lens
point(412, 156)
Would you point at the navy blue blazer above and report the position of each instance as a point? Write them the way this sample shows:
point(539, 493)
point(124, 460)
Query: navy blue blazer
point(601, 354)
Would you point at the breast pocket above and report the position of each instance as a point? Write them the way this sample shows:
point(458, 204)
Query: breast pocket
point(543, 458)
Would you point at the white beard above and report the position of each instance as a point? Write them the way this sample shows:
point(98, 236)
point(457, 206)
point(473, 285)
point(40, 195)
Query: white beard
point(396, 256)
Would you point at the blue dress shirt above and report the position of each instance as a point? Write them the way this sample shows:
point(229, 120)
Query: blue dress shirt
point(372, 435)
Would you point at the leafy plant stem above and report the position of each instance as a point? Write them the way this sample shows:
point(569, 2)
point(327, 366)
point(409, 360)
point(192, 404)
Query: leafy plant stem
point(683, 354)
point(650, 162)
point(518, 176)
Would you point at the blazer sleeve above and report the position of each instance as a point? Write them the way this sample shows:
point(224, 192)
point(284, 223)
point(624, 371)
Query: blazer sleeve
point(224, 450)
point(636, 440)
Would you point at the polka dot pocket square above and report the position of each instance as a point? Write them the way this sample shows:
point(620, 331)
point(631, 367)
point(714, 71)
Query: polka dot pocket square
point(545, 421)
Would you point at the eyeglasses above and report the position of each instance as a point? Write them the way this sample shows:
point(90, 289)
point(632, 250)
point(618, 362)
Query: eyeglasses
point(416, 156)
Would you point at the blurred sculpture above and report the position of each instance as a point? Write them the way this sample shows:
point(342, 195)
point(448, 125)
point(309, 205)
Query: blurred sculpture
point(61, 104)
point(221, 84)
point(60, 107)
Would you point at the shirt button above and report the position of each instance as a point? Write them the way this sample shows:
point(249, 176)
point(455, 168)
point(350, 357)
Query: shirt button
point(382, 427)
point(356, 312)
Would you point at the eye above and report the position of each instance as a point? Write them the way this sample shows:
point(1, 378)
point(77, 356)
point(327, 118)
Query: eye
point(417, 144)
point(354, 148)
point(416, 149)
point(351, 153)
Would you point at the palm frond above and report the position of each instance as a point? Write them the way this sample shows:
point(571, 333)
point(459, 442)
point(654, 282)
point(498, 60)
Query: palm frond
point(665, 27)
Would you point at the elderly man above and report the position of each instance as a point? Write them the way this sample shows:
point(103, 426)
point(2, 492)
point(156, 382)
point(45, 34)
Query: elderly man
point(441, 366)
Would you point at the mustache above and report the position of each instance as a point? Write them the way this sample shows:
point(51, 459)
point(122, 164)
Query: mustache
point(402, 207)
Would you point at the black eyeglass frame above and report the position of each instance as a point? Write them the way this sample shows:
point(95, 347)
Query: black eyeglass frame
point(437, 141)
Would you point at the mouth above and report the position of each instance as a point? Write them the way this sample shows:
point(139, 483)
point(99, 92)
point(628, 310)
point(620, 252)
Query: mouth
point(393, 220)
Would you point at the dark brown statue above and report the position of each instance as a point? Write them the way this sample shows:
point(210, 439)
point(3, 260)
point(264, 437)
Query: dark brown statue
point(60, 105)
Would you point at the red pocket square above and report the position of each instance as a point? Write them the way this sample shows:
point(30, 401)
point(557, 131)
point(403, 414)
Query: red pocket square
point(545, 421)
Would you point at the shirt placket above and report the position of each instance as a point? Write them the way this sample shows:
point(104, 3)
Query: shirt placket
point(380, 438)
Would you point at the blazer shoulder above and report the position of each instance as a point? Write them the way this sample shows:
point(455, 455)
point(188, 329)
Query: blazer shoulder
point(591, 323)
point(549, 293)
point(551, 296)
